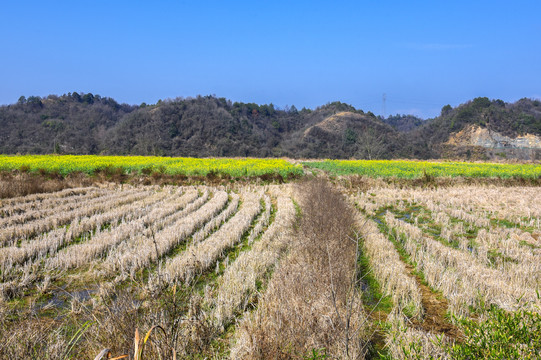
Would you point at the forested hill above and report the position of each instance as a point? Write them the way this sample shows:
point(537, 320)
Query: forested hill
point(211, 126)
point(71, 123)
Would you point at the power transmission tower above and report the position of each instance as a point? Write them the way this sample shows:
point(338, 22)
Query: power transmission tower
point(383, 105)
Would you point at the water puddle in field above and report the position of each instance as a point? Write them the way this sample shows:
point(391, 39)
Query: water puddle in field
point(61, 299)
point(364, 286)
point(83, 295)
point(54, 303)
point(379, 216)
point(406, 217)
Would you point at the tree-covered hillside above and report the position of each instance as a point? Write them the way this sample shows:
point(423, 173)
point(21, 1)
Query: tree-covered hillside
point(71, 123)
point(210, 126)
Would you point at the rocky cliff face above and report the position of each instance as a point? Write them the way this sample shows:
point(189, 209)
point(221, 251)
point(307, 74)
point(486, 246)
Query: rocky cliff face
point(493, 144)
point(478, 136)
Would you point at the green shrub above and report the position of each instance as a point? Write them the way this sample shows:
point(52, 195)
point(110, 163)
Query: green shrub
point(503, 335)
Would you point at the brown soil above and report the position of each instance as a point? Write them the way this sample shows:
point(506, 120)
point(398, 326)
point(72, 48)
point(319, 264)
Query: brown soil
point(20, 183)
point(17, 183)
point(435, 309)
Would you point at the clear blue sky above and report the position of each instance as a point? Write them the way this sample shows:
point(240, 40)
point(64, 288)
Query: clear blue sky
point(422, 54)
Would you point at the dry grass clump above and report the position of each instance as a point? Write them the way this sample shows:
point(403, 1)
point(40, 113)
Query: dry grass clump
point(406, 342)
point(312, 302)
point(107, 323)
point(34, 340)
point(13, 184)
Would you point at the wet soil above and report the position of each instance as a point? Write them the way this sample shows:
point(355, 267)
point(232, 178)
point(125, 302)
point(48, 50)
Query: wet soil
point(435, 308)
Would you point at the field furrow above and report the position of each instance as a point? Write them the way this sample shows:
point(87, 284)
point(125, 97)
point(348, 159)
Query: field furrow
point(480, 206)
point(12, 234)
point(198, 257)
point(49, 243)
point(318, 268)
point(102, 242)
point(241, 280)
point(216, 222)
point(141, 251)
point(395, 280)
point(16, 205)
point(477, 246)
point(16, 215)
point(462, 279)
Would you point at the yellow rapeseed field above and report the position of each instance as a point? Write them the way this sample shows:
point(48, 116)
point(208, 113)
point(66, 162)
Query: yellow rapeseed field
point(89, 164)
point(415, 169)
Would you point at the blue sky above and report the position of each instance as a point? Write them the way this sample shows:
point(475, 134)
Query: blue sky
point(421, 54)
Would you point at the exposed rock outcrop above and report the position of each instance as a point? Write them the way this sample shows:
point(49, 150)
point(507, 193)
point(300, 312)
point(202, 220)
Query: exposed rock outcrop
point(478, 136)
point(476, 139)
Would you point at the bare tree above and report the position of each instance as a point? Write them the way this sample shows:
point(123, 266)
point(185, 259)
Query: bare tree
point(370, 145)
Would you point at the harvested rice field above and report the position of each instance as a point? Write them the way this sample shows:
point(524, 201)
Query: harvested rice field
point(310, 269)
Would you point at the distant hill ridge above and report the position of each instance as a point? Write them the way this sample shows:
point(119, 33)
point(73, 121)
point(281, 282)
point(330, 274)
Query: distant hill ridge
point(210, 126)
